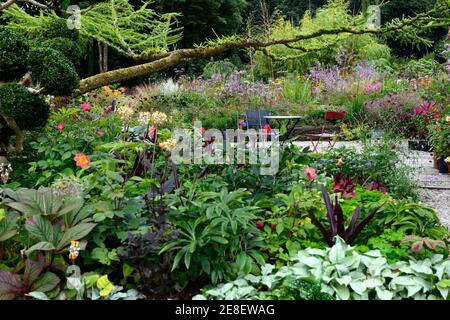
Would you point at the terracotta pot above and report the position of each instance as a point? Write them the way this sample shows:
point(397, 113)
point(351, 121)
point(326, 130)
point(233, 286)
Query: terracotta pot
point(435, 164)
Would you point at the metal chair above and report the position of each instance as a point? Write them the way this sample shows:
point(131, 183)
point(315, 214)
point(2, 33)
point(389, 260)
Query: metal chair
point(255, 118)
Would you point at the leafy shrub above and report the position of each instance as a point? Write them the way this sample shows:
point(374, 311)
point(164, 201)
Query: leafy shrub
point(70, 49)
point(13, 54)
point(221, 67)
point(394, 112)
point(57, 28)
point(217, 234)
point(28, 110)
point(54, 71)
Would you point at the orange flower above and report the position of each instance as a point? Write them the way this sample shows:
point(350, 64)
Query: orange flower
point(82, 160)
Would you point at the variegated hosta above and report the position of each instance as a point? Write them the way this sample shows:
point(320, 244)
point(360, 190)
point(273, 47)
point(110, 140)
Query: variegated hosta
point(347, 274)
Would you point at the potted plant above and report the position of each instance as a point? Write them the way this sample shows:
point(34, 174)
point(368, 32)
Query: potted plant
point(422, 116)
point(439, 138)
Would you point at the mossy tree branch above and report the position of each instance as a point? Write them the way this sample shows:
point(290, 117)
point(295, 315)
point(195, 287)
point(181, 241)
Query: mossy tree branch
point(164, 60)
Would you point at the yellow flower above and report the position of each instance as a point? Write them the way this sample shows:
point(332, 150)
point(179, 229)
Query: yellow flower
point(125, 112)
point(340, 162)
point(159, 118)
point(74, 249)
point(168, 145)
point(106, 88)
point(447, 118)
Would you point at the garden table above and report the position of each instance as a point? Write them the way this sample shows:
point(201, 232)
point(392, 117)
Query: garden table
point(292, 121)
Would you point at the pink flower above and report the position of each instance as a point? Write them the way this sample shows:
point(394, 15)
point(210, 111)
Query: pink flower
point(31, 220)
point(60, 127)
point(242, 123)
point(85, 106)
point(310, 173)
point(373, 87)
point(202, 130)
point(82, 160)
point(108, 109)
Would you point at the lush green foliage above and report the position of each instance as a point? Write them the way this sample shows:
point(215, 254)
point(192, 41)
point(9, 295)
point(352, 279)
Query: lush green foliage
point(13, 54)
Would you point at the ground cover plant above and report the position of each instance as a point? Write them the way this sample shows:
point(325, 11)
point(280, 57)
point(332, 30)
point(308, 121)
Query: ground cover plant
point(94, 206)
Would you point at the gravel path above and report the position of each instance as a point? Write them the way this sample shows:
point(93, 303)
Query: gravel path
point(434, 187)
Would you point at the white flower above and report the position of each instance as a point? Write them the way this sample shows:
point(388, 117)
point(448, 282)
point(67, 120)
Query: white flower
point(169, 88)
point(125, 112)
point(159, 118)
point(144, 118)
point(5, 171)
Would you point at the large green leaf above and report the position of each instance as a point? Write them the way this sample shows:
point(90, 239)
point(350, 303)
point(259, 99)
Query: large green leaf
point(8, 227)
point(74, 233)
point(10, 285)
point(41, 229)
point(48, 281)
point(33, 270)
point(43, 245)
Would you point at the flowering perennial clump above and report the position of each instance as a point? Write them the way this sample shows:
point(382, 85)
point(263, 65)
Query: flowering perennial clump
point(159, 118)
point(168, 145)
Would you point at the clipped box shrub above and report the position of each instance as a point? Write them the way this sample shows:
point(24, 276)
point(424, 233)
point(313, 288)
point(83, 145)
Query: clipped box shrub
point(13, 54)
point(68, 48)
point(53, 71)
point(28, 110)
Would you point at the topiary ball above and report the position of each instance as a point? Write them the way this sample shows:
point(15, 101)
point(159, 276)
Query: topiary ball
point(58, 29)
point(69, 48)
point(28, 110)
point(13, 54)
point(53, 71)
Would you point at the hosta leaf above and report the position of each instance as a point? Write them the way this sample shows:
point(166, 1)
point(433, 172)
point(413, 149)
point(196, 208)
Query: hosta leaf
point(358, 286)
point(48, 281)
point(10, 285)
point(342, 292)
point(384, 294)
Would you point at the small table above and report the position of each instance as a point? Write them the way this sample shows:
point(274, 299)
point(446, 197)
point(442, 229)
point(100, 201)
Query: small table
point(290, 119)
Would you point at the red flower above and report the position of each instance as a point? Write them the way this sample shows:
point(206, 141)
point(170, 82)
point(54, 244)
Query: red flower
point(82, 160)
point(260, 225)
point(60, 127)
point(267, 128)
point(85, 106)
point(202, 130)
